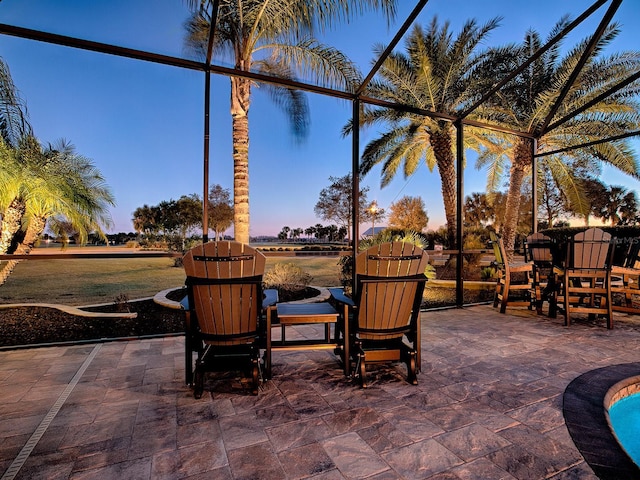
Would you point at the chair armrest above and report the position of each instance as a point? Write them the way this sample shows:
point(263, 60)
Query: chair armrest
point(617, 270)
point(184, 303)
point(521, 267)
point(338, 295)
point(270, 297)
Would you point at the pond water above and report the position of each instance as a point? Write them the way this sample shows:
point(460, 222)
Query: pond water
point(624, 416)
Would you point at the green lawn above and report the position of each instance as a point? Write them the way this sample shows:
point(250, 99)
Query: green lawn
point(90, 281)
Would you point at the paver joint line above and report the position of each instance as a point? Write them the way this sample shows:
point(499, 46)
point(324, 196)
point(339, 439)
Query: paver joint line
point(22, 457)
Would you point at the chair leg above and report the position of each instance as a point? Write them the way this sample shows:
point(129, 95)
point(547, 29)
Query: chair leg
point(609, 301)
point(267, 351)
point(255, 375)
point(553, 304)
point(505, 297)
point(188, 349)
point(538, 300)
point(198, 383)
point(412, 378)
point(188, 359)
point(363, 370)
point(496, 295)
point(342, 340)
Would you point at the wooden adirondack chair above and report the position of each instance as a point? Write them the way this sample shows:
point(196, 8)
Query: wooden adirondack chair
point(385, 312)
point(584, 283)
point(512, 277)
point(628, 280)
point(538, 252)
point(224, 286)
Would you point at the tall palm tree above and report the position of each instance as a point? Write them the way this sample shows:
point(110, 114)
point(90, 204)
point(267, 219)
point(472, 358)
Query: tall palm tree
point(525, 103)
point(621, 205)
point(14, 129)
point(11, 208)
point(145, 220)
point(274, 37)
point(438, 73)
point(477, 210)
point(38, 184)
point(54, 185)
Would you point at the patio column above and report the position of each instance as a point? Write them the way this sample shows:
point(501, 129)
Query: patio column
point(355, 187)
point(534, 185)
point(205, 162)
point(459, 211)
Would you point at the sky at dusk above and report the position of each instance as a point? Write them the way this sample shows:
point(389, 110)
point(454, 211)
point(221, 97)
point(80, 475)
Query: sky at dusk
point(142, 123)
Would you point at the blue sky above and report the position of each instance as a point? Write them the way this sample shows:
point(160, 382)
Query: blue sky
point(142, 124)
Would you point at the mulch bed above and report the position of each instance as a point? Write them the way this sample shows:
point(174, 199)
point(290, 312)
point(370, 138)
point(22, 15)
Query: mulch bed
point(43, 325)
point(38, 325)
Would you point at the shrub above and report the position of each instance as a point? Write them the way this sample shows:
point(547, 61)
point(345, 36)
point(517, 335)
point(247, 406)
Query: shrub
point(121, 302)
point(286, 277)
point(147, 244)
point(488, 273)
point(473, 242)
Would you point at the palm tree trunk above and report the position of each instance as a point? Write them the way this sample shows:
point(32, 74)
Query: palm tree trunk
point(442, 148)
point(240, 101)
point(11, 223)
point(520, 164)
point(34, 230)
point(7, 269)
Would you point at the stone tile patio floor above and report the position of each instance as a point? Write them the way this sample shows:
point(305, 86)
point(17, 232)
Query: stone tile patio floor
point(488, 406)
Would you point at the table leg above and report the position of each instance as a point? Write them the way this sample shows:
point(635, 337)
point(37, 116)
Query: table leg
point(347, 357)
point(267, 355)
point(188, 349)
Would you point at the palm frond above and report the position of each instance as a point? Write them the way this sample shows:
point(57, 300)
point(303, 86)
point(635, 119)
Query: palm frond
point(330, 67)
point(570, 185)
point(14, 124)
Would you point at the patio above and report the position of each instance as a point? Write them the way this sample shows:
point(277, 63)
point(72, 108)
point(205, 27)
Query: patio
point(489, 405)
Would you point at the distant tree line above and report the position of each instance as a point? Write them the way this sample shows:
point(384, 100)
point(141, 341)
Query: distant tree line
point(174, 221)
point(318, 232)
point(613, 204)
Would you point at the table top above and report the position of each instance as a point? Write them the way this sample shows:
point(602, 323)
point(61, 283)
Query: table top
point(305, 309)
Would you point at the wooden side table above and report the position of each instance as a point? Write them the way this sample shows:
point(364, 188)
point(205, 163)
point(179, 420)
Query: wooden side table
point(301, 314)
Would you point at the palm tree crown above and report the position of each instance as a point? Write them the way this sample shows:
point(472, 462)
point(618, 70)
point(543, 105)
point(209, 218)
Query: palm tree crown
point(274, 37)
point(526, 101)
point(40, 185)
point(439, 73)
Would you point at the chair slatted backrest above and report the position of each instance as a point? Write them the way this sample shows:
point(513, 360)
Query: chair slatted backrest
point(224, 281)
point(500, 253)
point(539, 249)
point(632, 258)
point(390, 281)
point(498, 249)
point(590, 250)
